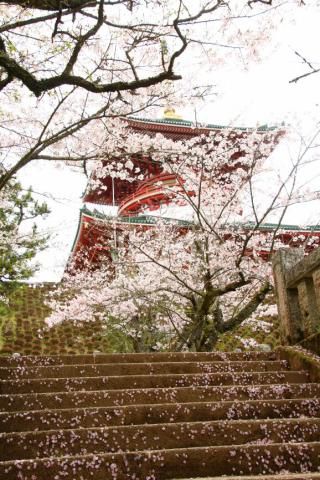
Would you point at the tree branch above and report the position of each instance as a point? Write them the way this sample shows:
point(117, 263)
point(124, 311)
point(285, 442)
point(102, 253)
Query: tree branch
point(31, 21)
point(55, 5)
point(264, 2)
point(82, 40)
point(248, 309)
point(39, 86)
point(230, 287)
point(313, 70)
point(296, 79)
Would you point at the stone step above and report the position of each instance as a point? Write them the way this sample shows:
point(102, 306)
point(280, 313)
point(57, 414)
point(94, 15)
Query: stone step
point(157, 414)
point(255, 459)
point(166, 436)
point(149, 381)
point(110, 369)
point(285, 476)
point(104, 398)
point(46, 360)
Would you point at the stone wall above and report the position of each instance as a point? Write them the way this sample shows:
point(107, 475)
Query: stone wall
point(23, 329)
point(297, 283)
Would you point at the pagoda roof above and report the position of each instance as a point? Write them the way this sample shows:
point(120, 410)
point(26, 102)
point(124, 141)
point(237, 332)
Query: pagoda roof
point(152, 220)
point(276, 226)
point(136, 220)
point(95, 218)
point(176, 122)
point(175, 129)
point(95, 215)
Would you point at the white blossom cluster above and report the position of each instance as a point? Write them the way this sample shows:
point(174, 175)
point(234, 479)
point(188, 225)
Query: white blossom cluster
point(164, 274)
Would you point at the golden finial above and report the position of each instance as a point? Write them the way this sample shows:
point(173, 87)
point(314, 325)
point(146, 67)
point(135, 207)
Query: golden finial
point(170, 113)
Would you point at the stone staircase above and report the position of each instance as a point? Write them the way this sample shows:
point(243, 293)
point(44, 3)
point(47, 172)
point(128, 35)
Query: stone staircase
point(158, 416)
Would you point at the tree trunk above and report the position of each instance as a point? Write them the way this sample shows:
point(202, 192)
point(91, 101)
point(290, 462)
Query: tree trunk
point(52, 5)
point(206, 321)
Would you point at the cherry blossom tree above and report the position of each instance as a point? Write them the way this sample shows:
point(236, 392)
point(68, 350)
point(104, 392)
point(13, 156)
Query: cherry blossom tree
point(70, 26)
point(66, 67)
point(182, 285)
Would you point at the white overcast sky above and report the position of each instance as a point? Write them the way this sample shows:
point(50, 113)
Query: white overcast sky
point(254, 97)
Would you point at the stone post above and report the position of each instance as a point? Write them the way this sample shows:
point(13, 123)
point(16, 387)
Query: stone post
point(287, 298)
point(316, 285)
point(308, 306)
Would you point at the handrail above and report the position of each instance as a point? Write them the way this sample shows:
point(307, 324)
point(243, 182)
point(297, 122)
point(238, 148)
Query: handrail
point(297, 284)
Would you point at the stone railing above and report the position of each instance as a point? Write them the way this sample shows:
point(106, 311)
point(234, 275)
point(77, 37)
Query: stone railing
point(297, 284)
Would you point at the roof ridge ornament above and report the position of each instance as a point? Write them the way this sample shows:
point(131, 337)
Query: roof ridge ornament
point(169, 113)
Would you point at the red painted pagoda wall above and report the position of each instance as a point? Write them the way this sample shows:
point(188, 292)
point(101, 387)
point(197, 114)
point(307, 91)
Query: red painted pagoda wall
point(96, 238)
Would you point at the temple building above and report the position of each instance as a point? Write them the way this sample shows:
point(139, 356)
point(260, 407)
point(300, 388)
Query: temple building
point(98, 232)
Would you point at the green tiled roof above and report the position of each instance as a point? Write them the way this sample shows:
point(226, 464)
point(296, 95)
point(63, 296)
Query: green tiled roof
point(152, 220)
point(187, 123)
point(144, 219)
point(276, 226)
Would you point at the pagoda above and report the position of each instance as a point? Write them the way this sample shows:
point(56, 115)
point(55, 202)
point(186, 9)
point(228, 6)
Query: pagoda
point(98, 233)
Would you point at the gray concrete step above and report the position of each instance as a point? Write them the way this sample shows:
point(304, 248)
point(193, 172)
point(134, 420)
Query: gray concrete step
point(149, 381)
point(116, 358)
point(82, 441)
point(155, 368)
point(103, 398)
point(284, 476)
point(90, 417)
point(158, 417)
point(256, 459)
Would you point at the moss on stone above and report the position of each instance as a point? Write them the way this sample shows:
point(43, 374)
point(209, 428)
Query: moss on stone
point(300, 359)
point(23, 329)
point(231, 341)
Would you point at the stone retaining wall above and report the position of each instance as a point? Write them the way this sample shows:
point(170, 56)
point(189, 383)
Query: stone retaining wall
point(297, 283)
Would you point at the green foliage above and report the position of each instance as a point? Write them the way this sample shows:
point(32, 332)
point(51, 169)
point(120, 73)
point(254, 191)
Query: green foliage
point(115, 340)
point(141, 335)
point(19, 239)
point(234, 340)
point(23, 330)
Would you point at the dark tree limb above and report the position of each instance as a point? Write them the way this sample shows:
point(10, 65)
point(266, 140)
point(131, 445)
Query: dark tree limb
point(231, 287)
point(300, 77)
point(312, 69)
point(14, 70)
point(9, 77)
point(30, 21)
point(264, 2)
point(38, 86)
point(248, 309)
point(82, 40)
point(57, 22)
point(17, 71)
point(55, 5)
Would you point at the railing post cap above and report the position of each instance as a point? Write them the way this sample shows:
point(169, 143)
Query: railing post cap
point(288, 257)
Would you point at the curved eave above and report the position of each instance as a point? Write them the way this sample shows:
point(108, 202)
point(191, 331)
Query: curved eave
point(152, 220)
point(84, 217)
point(139, 200)
point(185, 124)
point(136, 220)
point(77, 233)
point(280, 228)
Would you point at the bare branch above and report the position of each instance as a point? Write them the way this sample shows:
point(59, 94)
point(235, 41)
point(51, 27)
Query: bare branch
point(264, 2)
point(313, 70)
